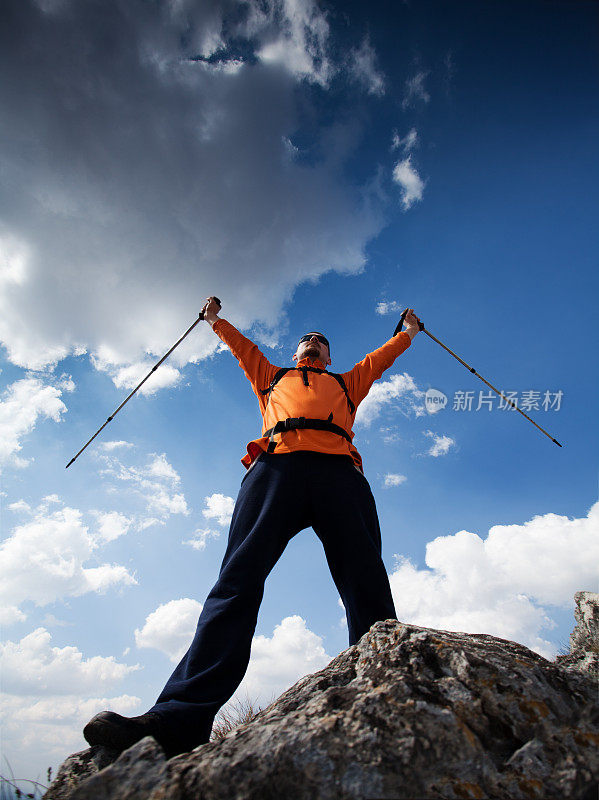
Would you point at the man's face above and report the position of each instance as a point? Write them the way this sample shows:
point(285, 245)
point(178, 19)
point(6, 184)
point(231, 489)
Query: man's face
point(311, 346)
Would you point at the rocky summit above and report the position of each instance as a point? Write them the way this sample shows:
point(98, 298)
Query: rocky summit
point(408, 712)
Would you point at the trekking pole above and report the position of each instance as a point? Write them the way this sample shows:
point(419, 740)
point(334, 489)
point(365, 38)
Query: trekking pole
point(139, 385)
point(474, 372)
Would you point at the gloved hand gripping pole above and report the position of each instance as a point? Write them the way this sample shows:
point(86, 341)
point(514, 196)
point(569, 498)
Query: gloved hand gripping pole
point(141, 383)
point(474, 372)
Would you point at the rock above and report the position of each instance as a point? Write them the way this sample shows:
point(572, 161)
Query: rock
point(408, 712)
point(584, 639)
point(133, 776)
point(77, 767)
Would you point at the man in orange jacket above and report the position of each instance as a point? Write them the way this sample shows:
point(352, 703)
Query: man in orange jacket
point(303, 471)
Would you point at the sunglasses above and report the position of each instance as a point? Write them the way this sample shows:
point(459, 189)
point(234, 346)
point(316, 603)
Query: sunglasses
point(321, 339)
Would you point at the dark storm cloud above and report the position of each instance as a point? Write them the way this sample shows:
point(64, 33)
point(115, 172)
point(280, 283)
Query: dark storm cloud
point(147, 160)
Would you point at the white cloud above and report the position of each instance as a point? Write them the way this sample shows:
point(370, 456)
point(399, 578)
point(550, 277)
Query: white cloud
point(411, 183)
point(415, 90)
point(299, 43)
point(112, 524)
point(11, 614)
point(115, 445)
point(38, 732)
point(14, 257)
point(292, 152)
point(33, 667)
point(388, 307)
point(170, 628)
point(219, 507)
point(67, 709)
point(50, 621)
point(50, 557)
point(440, 445)
point(501, 585)
point(23, 403)
point(129, 376)
point(407, 143)
point(276, 663)
point(200, 538)
point(362, 66)
point(160, 468)
point(156, 483)
point(393, 479)
point(19, 507)
point(389, 434)
point(383, 393)
point(157, 194)
point(148, 522)
point(49, 693)
point(49, 500)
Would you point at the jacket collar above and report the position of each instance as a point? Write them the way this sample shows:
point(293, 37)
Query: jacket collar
point(311, 362)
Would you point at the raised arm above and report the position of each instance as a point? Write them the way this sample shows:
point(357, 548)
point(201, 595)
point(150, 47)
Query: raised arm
point(366, 372)
point(253, 362)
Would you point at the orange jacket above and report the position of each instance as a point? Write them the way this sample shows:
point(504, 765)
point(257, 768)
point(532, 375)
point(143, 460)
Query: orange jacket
point(323, 396)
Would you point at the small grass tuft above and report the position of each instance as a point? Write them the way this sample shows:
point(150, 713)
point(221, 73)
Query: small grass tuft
point(564, 648)
point(239, 713)
point(9, 790)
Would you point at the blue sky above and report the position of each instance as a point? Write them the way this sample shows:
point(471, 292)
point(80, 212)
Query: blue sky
point(316, 166)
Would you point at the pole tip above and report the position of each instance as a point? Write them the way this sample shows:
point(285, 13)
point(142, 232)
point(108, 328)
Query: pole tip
point(557, 443)
point(69, 464)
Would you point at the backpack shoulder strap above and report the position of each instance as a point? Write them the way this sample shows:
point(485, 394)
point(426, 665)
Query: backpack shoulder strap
point(278, 375)
point(341, 383)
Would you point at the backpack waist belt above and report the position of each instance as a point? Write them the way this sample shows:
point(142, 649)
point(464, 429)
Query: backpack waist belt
point(301, 423)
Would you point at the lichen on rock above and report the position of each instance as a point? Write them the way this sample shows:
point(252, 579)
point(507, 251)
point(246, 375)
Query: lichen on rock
point(584, 639)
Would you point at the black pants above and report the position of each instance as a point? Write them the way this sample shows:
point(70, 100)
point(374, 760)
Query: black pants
point(280, 496)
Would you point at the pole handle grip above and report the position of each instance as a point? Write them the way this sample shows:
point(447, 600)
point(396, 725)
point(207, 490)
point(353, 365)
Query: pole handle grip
point(201, 315)
point(401, 321)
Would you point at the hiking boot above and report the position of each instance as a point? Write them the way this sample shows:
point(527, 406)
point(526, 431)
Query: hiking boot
point(119, 733)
